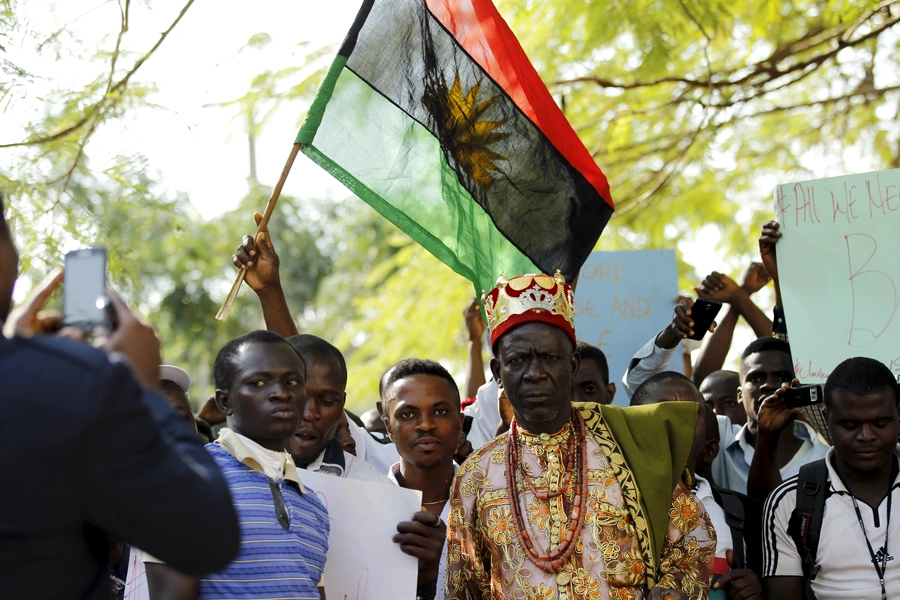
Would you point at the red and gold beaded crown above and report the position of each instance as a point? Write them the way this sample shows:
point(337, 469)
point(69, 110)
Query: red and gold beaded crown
point(529, 299)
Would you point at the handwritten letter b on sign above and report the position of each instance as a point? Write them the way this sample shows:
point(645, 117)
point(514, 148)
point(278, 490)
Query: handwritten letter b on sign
point(839, 270)
point(362, 562)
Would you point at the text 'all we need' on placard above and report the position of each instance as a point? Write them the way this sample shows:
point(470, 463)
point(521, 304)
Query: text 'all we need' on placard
point(622, 300)
point(839, 270)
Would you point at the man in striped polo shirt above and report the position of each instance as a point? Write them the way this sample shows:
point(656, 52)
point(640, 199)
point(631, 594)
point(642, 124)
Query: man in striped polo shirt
point(261, 387)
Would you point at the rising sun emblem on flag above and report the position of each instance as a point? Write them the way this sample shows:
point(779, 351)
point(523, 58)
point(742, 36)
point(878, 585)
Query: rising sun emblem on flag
point(463, 133)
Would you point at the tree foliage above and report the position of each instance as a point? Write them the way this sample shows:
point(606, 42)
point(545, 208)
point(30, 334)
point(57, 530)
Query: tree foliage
point(693, 109)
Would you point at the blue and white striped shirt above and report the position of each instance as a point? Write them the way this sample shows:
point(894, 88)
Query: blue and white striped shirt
point(272, 562)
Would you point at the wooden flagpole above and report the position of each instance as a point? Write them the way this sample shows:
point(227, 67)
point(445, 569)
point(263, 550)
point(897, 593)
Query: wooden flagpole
point(267, 214)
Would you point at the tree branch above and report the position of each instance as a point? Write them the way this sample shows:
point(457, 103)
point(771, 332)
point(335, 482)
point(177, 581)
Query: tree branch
point(768, 67)
point(110, 99)
point(98, 115)
point(661, 182)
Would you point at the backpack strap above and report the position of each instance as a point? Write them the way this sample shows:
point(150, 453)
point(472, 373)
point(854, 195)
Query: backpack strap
point(734, 518)
point(806, 520)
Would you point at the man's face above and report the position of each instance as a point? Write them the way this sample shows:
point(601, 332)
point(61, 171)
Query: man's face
point(178, 400)
point(762, 374)
point(679, 390)
point(343, 435)
point(266, 395)
point(721, 393)
point(9, 270)
point(589, 384)
point(321, 411)
point(424, 420)
point(535, 365)
point(863, 429)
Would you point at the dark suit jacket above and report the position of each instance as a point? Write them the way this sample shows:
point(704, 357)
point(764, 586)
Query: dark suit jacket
point(85, 451)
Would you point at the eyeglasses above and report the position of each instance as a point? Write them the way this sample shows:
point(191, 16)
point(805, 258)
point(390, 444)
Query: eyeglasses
point(281, 512)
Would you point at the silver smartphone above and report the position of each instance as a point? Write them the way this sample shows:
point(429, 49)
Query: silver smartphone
point(85, 304)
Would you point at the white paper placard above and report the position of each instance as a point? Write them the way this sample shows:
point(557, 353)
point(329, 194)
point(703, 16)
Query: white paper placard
point(363, 563)
point(839, 270)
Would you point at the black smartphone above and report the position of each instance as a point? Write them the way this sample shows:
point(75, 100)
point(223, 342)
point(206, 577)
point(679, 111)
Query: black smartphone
point(467, 423)
point(804, 395)
point(703, 313)
point(85, 304)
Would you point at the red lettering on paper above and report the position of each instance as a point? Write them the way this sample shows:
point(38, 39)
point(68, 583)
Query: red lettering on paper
point(889, 195)
point(780, 206)
point(362, 584)
point(868, 306)
point(805, 205)
point(875, 205)
point(895, 365)
point(806, 372)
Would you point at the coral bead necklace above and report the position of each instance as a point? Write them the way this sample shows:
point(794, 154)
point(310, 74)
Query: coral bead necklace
point(551, 561)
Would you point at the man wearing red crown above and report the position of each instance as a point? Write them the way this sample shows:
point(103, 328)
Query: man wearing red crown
point(576, 501)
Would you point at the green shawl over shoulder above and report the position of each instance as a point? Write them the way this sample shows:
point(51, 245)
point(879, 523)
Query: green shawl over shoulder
point(656, 441)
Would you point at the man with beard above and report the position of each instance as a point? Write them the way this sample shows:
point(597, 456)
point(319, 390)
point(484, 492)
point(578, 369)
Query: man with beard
point(577, 501)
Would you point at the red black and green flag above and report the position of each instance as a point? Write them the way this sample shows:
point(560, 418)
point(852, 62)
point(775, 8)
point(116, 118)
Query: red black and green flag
point(433, 115)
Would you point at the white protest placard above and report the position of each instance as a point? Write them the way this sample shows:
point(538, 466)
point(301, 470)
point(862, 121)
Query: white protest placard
point(839, 270)
point(622, 300)
point(362, 562)
point(136, 577)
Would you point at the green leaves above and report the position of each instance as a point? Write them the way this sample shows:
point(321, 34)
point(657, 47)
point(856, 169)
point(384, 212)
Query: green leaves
point(687, 104)
point(693, 108)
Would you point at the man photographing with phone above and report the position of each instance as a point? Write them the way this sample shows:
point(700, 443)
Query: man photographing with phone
point(90, 449)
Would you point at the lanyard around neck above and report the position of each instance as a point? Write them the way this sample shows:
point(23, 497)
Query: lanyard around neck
point(880, 570)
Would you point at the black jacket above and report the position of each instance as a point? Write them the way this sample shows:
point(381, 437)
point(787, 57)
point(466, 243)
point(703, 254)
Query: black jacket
point(85, 451)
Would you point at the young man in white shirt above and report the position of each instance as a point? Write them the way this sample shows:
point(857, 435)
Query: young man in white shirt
point(765, 366)
point(314, 446)
point(423, 418)
point(853, 558)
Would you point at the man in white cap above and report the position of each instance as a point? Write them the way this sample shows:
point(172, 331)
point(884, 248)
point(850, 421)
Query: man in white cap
point(175, 384)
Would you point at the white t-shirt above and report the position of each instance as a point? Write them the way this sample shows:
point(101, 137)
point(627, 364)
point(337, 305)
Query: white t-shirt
point(445, 514)
point(846, 571)
point(716, 514)
point(485, 413)
point(353, 468)
point(381, 456)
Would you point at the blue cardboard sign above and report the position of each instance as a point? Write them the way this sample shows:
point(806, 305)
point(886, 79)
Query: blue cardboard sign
point(622, 300)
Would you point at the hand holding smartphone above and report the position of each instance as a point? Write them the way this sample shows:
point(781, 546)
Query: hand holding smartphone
point(804, 395)
point(703, 313)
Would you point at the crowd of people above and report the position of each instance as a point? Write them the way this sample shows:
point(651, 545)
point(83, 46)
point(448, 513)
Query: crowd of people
point(534, 485)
